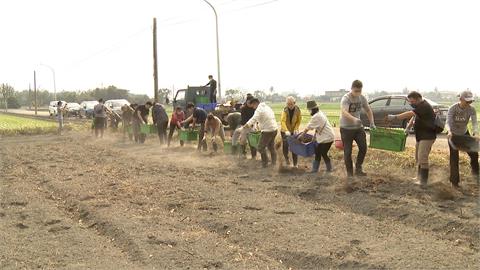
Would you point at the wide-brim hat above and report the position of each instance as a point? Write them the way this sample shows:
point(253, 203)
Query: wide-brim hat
point(311, 104)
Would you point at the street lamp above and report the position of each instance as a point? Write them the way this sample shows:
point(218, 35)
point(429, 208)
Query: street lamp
point(218, 49)
point(54, 83)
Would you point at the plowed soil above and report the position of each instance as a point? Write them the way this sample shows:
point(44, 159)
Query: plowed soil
point(74, 202)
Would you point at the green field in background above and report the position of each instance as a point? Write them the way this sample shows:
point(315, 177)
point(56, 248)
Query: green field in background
point(11, 125)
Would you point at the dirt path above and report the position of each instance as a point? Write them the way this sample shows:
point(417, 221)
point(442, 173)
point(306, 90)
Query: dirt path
point(76, 203)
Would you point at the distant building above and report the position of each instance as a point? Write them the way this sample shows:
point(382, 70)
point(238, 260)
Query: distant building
point(334, 96)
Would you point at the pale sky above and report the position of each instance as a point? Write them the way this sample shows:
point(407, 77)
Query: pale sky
point(304, 45)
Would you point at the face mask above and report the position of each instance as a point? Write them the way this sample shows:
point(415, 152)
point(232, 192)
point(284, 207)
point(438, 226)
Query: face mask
point(413, 105)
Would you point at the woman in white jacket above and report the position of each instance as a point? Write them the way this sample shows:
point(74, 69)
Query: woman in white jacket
point(324, 135)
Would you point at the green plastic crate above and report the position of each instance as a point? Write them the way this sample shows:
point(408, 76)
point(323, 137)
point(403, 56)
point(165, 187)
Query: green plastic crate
point(227, 147)
point(254, 138)
point(144, 129)
point(188, 135)
point(388, 139)
point(153, 129)
point(202, 100)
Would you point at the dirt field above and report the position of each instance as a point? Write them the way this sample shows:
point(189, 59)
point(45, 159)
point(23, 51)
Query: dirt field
point(73, 202)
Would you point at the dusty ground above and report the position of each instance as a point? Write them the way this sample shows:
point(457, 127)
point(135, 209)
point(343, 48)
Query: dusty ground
point(78, 203)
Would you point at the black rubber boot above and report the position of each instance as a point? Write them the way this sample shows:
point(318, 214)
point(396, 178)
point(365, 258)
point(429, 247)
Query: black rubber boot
point(359, 172)
point(423, 177)
point(243, 150)
point(234, 149)
point(329, 166)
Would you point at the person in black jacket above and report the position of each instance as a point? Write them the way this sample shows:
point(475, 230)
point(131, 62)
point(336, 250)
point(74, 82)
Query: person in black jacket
point(240, 134)
point(140, 116)
point(423, 118)
point(213, 89)
point(160, 120)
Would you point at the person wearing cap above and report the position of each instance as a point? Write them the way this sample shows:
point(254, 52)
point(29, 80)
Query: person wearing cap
point(423, 117)
point(459, 115)
point(265, 117)
point(290, 123)
point(324, 135)
point(351, 127)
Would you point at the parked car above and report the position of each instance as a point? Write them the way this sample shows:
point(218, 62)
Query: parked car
point(395, 104)
point(86, 108)
point(116, 104)
point(52, 107)
point(73, 109)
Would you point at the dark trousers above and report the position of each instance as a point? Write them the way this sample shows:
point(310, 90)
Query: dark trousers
point(285, 150)
point(454, 168)
point(126, 126)
point(99, 123)
point(162, 131)
point(170, 133)
point(348, 136)
point(267, 140)
point(322, 151)
point(213, 98)
point(201, 134)
point(137, 135)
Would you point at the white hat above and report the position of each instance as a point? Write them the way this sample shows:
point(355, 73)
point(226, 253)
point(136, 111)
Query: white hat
point(467, 95)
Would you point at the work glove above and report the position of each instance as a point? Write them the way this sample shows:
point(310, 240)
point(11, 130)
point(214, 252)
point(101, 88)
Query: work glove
point(391, 117)
point(287, 133)
point(372, 126)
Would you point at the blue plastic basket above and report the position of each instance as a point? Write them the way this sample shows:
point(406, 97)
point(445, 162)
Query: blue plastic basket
point(207, 106)
point(300, 148)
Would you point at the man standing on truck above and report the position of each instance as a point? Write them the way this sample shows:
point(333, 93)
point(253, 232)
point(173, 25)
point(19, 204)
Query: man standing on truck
point(197, 116)
point(160, 119)
point(140, 117)
point(351, 127)
point(213, 89)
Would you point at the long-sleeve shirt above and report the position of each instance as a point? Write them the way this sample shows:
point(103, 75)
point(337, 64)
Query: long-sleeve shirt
point(291, 119)
point(265, 117)
point(159, 114)
point(323, 130)
point(457, 119)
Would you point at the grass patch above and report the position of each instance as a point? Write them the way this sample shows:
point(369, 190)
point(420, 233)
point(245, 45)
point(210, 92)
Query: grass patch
point(14, 125)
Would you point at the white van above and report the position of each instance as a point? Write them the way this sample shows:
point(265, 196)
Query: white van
point(52, 107)
point(116, 104)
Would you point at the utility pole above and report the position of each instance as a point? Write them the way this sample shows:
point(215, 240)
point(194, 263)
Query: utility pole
point(155, 70)
point(35, 89)
point(219, 87)
point(29, 97)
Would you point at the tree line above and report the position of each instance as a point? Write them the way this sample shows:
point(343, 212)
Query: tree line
point(10, 98)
